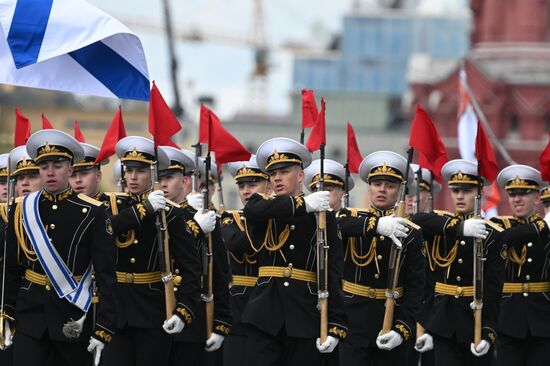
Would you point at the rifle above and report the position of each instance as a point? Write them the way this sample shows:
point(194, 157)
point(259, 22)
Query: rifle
point(431, 193)
point(9, 202)
point(322, 257)
point(417, 195)
point(220, 192)
point(163, 248)
point(346, 185)
point(207, 284)
point(478, 268)
point(395, 254)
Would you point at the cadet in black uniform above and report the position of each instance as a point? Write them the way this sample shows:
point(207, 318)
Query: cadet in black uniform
point(369, 235)
point(282, 316)
point(49, 259)
point(86, 177)
point(545, 199)
point(143, 332)
point(447, 316)
point(335, 175)
point(250, 179)
point(524, 318)
point(25, 172)
point(5, 355)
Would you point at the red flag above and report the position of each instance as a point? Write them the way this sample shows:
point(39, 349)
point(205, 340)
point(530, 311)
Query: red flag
point(544, 160)
point(226, 147)
point(426, 140)
point(318, 134)
point(485, 155)
point(309, 109)
point(115, 132)
point(77, 133)
point(162, 122)
point(22, 128)
point(46, 125)
point(354, 157)
point(204, 125)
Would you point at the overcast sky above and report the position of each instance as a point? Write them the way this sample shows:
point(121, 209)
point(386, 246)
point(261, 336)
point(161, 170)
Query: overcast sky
point(223, 69)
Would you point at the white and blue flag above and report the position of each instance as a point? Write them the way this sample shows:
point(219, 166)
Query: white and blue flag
point(72, 46)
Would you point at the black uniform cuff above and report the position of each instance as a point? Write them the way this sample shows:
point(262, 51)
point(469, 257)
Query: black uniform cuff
point(489, 335)
point(221, 328)
point(103, 334)
point(194, 228)
point(337, 330)
point(184, 313)
point(403, 329)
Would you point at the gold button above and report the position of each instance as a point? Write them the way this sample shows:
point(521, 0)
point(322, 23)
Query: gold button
point(52, 226)
point(118, 201)
point(177, 271)
point(47, 288)
point(175, 289)
point(167, 208)
point(136, 241)
point(376, 275)
point(54, 207)
point(287, 272)
point(382, 237)
point(379, 257)
point(291, 246)
point(460, 260)
point(372, 293)
point(286, 284)
point(132, 260)
point(527, 277)
point(525, 287)
point(459, 292)
point(177, 280)
point(129, 277)
point(458, 278)
point(292, 227)
point(462, 242)
point(84, 210)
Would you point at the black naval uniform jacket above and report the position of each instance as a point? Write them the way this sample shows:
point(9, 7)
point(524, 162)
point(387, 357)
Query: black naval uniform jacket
point(143, 305)
point(450, 316)
point(522, 315)
point(221, 277)
point(242, 261)
point(76, 225)
point(366, 314)
point(276, 303)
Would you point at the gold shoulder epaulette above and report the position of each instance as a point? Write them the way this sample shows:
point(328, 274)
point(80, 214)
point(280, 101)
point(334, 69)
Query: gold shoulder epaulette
point(19, 199)
point(118, 194)
point(494, 225)
point(94, 202)
point(412, 224)
point(506, 220)
point(172, 203)
point(443, 213)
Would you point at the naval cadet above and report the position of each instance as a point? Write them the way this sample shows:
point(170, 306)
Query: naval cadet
point(250, 179)
point(334, 180)
point(524, 320)
point(369, 235)
point(144, 328)
point(545, 198)
point(50, 255)
point(282, 315)
point(86, 177)
point(25, 172)
point(447, 316)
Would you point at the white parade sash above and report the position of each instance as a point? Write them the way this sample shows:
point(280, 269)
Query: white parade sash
point(61, 278)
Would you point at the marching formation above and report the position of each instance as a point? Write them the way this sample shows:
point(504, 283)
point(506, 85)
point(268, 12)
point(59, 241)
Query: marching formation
point(156, 275)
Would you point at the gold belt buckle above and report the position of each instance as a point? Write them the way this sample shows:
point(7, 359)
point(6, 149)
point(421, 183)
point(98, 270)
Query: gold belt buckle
point(525, 287)
point(372, 293)
point(287, 272)
point(129, 277)
point(459, 291)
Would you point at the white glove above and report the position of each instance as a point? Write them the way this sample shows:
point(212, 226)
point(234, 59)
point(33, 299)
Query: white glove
point(547, 219)
point(328, 345)
point(157, 200)
point(481, 349)
point(424, 343)
point(475, 228)
point(8, 337)
point(173, 325)
point(392, 226)
point(95, 347)
point(317, 201)
point(214, 342)
point(195, 200)
point(389, 341)
point(207, 221)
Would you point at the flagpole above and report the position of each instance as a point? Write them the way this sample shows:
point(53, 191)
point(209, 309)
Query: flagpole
point(430, 195)
point(418, 181)
point(302, 136)
point(346, 185)
point(501, 149)
point(220, 192)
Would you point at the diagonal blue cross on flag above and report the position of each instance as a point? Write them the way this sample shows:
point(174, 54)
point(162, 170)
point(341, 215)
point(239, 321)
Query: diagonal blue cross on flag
point(72, 46)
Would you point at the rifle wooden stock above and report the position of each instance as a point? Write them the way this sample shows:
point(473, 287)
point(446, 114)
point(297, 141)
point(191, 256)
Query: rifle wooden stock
point(322, 273)
point(208, 297)
point(395, 259)
point(420, 331)
point(478, 276)
point(167, 278)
